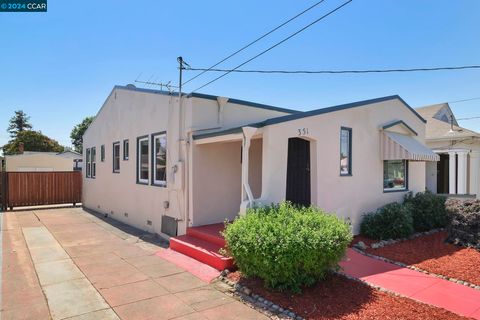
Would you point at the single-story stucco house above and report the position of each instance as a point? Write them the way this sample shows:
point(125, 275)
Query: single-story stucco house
point(165, 168)
point(458, 170)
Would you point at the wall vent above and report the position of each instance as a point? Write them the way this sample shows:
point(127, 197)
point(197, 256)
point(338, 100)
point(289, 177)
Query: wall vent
point(169, 226)
point(149, 222)
point(125, 214)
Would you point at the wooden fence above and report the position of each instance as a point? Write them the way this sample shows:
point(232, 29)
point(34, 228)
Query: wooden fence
point(40, 188)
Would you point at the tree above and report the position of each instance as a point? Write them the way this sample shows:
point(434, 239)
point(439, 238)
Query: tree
point(77, 133)
point(32, 141)
point(18, 123)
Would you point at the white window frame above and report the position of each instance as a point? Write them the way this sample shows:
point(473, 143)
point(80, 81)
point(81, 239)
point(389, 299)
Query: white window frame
point(114, 145)
point(139, 159)
point(155, 181)
point(87, 162)
point(126, 149)
point(93, 161)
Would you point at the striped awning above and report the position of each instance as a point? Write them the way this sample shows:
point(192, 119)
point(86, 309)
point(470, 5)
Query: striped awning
point(396, 146)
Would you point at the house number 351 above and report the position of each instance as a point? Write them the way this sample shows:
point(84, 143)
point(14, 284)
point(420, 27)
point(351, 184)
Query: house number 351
point(302, 131)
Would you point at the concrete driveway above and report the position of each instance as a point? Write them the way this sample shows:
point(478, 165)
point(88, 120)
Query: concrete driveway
point(69, 264)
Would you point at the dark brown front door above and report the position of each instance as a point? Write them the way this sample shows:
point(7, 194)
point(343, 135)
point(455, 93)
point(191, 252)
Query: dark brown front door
point(298, 172)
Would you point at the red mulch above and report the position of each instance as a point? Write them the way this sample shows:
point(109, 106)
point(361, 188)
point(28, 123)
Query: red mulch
point(431, 253)
point(340, 298)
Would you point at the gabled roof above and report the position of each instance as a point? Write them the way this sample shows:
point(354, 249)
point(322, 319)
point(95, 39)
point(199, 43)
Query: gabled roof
point(440, 128)
point(400, 123)
point(306, 114)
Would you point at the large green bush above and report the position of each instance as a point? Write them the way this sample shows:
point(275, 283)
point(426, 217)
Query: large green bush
point(428, 210)
point(391, 221)
point(287, 246)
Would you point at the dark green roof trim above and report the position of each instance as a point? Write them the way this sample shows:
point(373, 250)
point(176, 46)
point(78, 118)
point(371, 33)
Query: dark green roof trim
point(209, 97)
point(244, 103)
point(217, 133)
point(397, 123)
point(133, 88)
point(333, 109)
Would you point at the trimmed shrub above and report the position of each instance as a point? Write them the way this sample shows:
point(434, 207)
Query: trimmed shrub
point(464, 226)
point(287, 246)
point(428, 210)
point(391, 221)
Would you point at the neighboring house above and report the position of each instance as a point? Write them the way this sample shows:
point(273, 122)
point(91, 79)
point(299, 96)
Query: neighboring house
point(37, 161)
point(77, 158)
point(162, 168)
point(457, 172)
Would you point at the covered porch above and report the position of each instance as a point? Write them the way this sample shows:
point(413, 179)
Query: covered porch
point(456, 174)
point(226, 174)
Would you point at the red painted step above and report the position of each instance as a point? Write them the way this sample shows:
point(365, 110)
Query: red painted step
point(201, 250)
point(210, 233)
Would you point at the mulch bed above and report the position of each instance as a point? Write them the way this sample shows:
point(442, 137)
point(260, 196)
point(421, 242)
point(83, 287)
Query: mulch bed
point(433, 254)
point(340, 298)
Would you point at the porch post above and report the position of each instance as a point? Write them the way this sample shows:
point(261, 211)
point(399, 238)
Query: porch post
point(247, 196)
point(452, 177)
point(462, 172)
point(474, 172)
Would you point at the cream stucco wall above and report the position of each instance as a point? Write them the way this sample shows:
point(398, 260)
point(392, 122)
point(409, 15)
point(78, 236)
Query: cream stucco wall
point(130, 113)
point(37, 162)
point(217, 172)
point(348, 196)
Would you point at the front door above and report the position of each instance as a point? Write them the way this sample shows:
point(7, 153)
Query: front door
point(442, 174)
point(298, 172)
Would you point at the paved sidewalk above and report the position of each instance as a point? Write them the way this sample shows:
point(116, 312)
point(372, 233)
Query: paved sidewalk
point(413, 284)
point(69, 264)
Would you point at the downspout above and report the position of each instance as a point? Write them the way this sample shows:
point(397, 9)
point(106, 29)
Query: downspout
point(247, 195)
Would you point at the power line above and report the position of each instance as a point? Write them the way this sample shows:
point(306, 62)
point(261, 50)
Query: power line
point(336, 71)
point(277, 44)
point(464, 100)
point(469, 118)
point(256, 40)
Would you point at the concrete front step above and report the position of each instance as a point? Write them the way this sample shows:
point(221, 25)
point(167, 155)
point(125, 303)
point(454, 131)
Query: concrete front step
point(201, 250)
point(210, 233)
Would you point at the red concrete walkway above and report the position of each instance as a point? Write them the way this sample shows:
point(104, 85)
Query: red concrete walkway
point(415, 285)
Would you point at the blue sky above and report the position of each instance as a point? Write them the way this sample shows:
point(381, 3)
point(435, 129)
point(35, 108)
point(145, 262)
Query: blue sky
point(60, 66)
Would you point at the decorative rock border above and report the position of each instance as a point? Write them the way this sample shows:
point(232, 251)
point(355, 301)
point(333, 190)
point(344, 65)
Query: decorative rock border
point(257, 302)
point(400, 264)
point(362, 246)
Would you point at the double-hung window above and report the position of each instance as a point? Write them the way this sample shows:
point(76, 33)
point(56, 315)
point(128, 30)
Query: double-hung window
point(93, 156)
point(142, 160)
point(87, 161)
point(159, 159)
point(345, 151)
point(125, 149)
point(395, 175)
point(116, 157)
point(102, 153)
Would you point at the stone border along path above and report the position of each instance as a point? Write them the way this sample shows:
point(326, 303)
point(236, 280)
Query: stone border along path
point(76, 253)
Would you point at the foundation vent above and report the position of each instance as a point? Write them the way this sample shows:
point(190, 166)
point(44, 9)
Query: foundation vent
point(149, 222)
point(169, 226)
point(125, 214)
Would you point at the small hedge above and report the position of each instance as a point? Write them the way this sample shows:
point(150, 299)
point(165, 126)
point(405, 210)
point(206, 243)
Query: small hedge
point(428, 210)
point(287, 246)
point(391, 221)
point(464, 227)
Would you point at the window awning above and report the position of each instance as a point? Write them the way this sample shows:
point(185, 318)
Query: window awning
point(396, 146)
